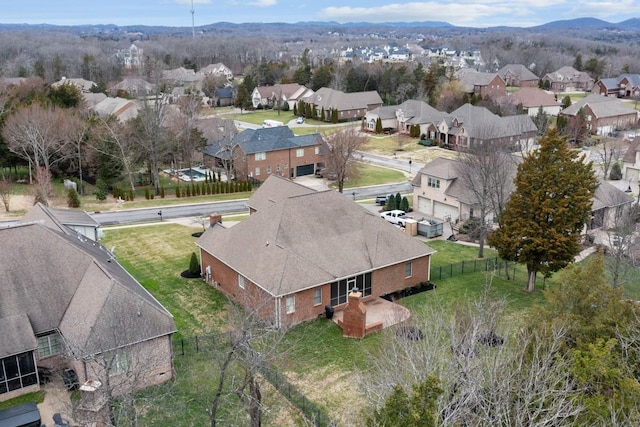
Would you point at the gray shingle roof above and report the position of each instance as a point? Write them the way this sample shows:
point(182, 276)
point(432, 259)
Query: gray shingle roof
point(59, 218)
point(308, 240)
point(17, 335)
point(274, 190)
point(602, 106)
point(609, 196)
point(330, 98)
point(519, 70)
point(74, 285)
point(273, 139)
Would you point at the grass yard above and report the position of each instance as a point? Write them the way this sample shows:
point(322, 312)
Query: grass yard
point(156, 255)
point(372, 175)
point(316, 358)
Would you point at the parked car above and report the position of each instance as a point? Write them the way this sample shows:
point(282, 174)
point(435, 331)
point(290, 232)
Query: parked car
point(395, 216)
point(382, 199)
point(326, 173)
point(300, 120)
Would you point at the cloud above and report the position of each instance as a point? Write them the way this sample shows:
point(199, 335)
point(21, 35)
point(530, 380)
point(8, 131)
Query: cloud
point(194, 1)
point(263, 3)
point(455, 13)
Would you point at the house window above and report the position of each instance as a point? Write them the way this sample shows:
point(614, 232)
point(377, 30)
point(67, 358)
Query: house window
point(291, 304)
point(286, 166)
point(241, 281)
point(49, 345)
point(300, 152)
point(260, 156)
point(120, 363)
point(17, 371)
point(268, 169)
point(257, 171)
point(407, 270)
point(317, 150)
point(340, 290)
point(278, 168)
point(433, 182)
point(317, 296)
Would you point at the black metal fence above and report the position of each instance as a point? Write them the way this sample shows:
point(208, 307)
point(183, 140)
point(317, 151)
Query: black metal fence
point(498, 266)
point(212, 343)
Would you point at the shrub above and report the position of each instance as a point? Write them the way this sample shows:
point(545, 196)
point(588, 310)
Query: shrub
point(194, 265)
point(616, 172)
point(101, 190)
point(162, 192)
point(177, 192)
point(73, 198)
point(147, 195)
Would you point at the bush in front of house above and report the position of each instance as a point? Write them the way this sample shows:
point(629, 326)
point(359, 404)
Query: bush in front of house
point(73, 198)
point(194, 268)
point(616, 172)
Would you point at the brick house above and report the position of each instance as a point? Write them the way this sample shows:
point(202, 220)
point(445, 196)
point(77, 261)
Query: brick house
point(401, 117)
point(481, 84)
point(623, 86)
point(531, 99)
point(438, 193)
point(518, 75)
point(258, 153)
point(350, 106)
point(302, 250)
point(289, 93)
point(67, 303)
point(604, 114)
point(568, 79)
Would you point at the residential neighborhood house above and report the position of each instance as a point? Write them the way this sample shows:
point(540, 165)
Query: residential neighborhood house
point(567, 79)
point(67, 304)
point(68, 221)
point(277, 95)
point(518, 75)
point(623, 86)
point(350, 106)
point(258, 153)
point(604, 115)
point(134, 87)
point(473, 82)
point(532, 99)
point(631, 163)
point(438, 193)
point(302, 251)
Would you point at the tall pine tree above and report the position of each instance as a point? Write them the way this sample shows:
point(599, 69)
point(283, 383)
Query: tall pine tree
point(541, 223)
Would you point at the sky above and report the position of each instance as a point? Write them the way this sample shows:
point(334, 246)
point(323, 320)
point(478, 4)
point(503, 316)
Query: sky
point(177, 13)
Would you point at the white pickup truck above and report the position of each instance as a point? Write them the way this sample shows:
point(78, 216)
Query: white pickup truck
point(395, 216)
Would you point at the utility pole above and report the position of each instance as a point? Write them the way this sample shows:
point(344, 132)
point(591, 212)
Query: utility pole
point(193, 21)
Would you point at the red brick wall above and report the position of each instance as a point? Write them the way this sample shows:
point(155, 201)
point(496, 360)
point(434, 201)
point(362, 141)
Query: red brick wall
point(384, 281)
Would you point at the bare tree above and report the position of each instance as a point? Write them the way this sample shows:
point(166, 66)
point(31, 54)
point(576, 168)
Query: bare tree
point(623, 242)
point(112, 139)
point(609, 151)
point(6, 191)
point(42, 189)
point(152, 135)
point(35, 134)
point(254, 345)
point(487, 376)
point(486, 172)
point(184, 126)
point(341, 157)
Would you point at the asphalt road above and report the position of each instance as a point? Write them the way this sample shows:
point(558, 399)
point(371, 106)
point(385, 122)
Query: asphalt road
point(234, 206)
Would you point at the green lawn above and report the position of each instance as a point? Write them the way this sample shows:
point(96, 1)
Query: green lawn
point(372, 175)
point(316, 358)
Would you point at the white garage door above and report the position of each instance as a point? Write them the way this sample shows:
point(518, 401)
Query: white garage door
point(440, 211)
point(424, 205)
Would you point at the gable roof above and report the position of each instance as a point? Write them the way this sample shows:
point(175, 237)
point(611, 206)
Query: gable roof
point(17, 335)
point(133, 85)
point(330, 98)
point(285, 91)
point(609, 196)
point(75, 285)
point(519, 70)
point(273, 139)
point(532, 97)
point(480, 123)
point(123, 109)
point(601, 106)
point(307, 240)
point(59, 219)
point(471, 78)
point(274, 190)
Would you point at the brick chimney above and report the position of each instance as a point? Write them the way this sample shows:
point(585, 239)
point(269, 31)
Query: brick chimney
point(354, 317)
point(215, 218)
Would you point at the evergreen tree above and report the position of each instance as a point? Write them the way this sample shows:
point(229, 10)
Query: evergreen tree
point(378, 125)
point(404, 205)
point(541, 223)
point(73, 198)
point(616, 172)
point(194, 265)
point(398, 200)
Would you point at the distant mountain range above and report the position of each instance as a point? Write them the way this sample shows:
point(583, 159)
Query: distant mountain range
point(589, 24)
